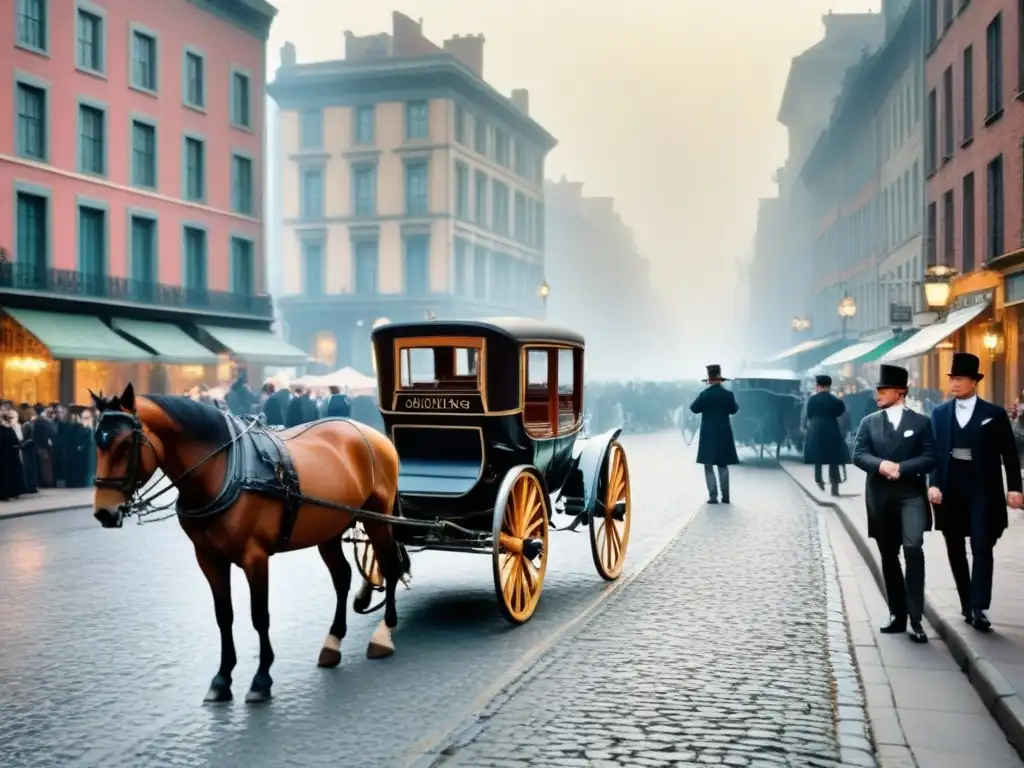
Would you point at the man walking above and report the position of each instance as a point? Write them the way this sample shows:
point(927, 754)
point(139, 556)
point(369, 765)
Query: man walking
point(975, 443)
point(895, 447)
point(717, 447)
point(824, 443)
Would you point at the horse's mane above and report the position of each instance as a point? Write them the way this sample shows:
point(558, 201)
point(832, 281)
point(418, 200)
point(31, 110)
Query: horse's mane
point(199, 420)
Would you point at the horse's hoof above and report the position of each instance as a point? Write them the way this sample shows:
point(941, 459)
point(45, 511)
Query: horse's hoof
point(378, 651)
point(329, 658)
point(259, 691)
point(220, 691)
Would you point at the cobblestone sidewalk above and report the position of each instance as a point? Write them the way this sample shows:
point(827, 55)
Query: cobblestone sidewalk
point(718, 653)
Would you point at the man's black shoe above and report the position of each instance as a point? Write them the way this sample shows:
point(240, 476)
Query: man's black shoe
point(896, 626)
point(917, 634)
point(725, 499)
point(980, 622)
point(712, 501)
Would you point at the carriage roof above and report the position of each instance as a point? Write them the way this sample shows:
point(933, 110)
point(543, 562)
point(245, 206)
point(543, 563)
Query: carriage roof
point(519, 329)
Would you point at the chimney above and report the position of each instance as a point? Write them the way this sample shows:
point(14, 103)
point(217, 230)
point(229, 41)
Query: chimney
point(288, 55)
point(468, 49)
point(521, 100)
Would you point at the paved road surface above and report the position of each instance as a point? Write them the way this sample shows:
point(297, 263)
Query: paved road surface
point(108, 642)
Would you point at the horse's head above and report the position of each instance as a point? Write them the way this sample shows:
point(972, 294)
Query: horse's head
point(123, 466)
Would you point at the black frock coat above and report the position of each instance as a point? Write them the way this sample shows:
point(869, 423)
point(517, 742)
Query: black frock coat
point(716, 405)
point(824, 444)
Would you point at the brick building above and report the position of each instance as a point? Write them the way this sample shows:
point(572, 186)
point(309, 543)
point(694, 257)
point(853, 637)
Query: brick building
point(974, 74)
point(133, 168)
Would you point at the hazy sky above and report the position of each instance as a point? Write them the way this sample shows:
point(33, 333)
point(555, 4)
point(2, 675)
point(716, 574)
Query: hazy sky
point(667, 105)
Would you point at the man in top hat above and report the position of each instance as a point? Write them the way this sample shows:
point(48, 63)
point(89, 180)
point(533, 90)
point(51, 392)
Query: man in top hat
point(975, 443)
point(716, 448)
point(824, 443)
point(896, 449)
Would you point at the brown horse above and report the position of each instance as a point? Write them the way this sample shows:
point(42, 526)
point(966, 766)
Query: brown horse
point(232, 517)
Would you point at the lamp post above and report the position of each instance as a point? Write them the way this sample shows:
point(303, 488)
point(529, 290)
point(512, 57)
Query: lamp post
point(800, 324)
point(543, 291)
point(938, 285)
point(992, 339)
point(847, 309)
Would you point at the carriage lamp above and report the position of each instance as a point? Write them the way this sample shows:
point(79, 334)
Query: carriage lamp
point(800, 324)
point(848, 307)
point(992, 339)
point(543, 291)
point(938, 285)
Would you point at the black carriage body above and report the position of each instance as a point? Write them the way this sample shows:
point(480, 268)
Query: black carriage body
point(480, 411)
point(770, 410)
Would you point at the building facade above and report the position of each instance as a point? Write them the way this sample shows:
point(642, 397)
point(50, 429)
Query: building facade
point(411, 189)
point(133, 171)
point(593, 265)
point(865, 177)
point(780, 274)
point(974, 74)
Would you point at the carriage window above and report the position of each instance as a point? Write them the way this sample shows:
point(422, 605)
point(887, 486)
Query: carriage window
point(466, 362)
point(537, 371)
point(566, 372)
point(417, 367)
point(440, 367)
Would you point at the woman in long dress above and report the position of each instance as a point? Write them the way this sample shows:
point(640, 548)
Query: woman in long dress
point(12, 478)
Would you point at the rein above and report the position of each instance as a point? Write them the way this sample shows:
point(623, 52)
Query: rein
point(138, 504)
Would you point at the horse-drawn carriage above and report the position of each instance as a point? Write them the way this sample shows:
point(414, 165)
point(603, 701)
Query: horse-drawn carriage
point(770, 411)
point(485, 416)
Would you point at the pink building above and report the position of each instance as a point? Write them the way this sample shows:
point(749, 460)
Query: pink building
point(131, 186)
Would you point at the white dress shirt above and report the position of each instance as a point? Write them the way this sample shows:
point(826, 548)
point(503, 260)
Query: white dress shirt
point(894, 413)
point(965, 409)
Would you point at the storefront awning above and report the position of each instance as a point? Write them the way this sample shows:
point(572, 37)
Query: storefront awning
point(259, 347)
point(805, 346)
point(78, 337)
point(925, 340)
point(169, 342)
point(865, 350)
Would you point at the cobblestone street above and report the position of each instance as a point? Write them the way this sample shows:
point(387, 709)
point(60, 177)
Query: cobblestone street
point(718, 653)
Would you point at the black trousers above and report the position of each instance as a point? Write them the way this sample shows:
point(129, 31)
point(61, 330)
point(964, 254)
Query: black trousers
point(709, 480)
point(905, 595)
point(834, 478)
point(973, 583)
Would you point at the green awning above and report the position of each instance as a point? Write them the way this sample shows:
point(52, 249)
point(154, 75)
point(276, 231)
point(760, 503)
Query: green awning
point(880, 351)
point(260, 347)
point(169, 342)
point(78, 337)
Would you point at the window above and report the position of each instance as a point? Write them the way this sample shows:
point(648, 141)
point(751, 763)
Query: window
point(994, 66)
point(931, 245)
point(947, 13)
point(948, 230)
point(312, 129)
point(366, 267)
point(931, 21)
point(521, 224)
point(932, 138)
point(444, 367)
point(241, 185)
point(92, 249)
point(143, 154)
point(32, 138)
point(195, 169)
point(417, 265)
point(538, 224)
point(90, 41)
point(195, 80)
point(32, 24)
point(143, 262)
point(947, 113)
point(461, 267)
point(480, 136)
point(480, 212)
point(311, 204)
point(461, 191)
point(536, 413)
point(967, 100)
point(144, 64)
point(313, 268)
point(967, 228)
point(91, 140)
point(568, 413)
point(501, 147)
point(416, 189)
point(416, 126)
point(499, 219)
point(195, 262)
point(243, 279)
point(996, 210)
point(460, 123)
point(33, 234)
point(240, 100)
point(364, 119)
point(364, 179)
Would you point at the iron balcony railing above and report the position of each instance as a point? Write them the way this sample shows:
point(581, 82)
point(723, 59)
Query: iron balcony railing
point(74, 284)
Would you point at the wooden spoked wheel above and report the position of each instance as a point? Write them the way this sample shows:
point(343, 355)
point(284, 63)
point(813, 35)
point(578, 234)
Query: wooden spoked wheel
point(609, 527)
point(520, 552)
point(366, 558)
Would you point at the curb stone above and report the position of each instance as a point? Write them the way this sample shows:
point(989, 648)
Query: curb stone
point(997, 693)
point(34, 512)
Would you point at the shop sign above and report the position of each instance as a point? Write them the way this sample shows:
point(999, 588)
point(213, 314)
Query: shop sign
point(901, 314)
point(973, 299)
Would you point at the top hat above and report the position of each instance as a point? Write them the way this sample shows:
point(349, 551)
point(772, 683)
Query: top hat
point(966, 364)
point(893, 376)
point(823, 380)
point(715, 373)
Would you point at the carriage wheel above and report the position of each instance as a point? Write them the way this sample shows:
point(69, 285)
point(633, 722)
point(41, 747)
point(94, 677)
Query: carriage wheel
point(520, 553)
point(609, 528)
point(366, 558)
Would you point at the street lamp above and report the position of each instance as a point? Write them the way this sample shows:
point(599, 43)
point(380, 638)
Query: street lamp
point(847, 309)
point(543, 291)
point(991, 339)
point(938, 285)
point(800, 324)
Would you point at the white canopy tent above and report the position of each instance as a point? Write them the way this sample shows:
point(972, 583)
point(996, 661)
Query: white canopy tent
point(348, 380)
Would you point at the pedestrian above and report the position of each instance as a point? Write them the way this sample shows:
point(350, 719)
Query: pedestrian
point(895, 447)
point(336, 405)
point(716, 447)
point(825, 444)
point(975, 443)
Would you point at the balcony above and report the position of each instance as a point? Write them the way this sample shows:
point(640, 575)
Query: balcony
point(72, 285)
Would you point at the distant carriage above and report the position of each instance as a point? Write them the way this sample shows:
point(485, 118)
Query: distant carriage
point(771, 406)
